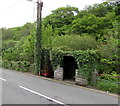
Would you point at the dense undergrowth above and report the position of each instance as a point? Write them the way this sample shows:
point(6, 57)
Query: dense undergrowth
point(91, 36)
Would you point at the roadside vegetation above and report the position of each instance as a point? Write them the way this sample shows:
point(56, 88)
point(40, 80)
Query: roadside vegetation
point(92, 35)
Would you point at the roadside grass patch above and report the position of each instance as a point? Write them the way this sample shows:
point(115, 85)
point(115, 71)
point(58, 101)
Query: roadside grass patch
point(108, 86)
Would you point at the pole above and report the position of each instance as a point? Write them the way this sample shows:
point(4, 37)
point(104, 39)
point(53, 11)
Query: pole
point(38, 49)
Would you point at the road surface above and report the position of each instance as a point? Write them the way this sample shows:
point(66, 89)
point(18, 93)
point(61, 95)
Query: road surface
point(21, 88)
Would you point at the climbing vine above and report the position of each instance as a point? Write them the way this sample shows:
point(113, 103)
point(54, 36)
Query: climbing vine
point(86, 60)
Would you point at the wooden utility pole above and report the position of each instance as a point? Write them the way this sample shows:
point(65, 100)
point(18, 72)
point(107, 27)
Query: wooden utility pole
point(38, 49)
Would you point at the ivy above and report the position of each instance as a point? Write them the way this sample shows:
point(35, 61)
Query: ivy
point(86, 60)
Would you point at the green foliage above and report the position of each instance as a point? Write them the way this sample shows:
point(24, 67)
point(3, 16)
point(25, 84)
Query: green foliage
point(47, 36)
point(108, 83)
point(74, 42)
point(45, 61)
point(109, 56)
point(93, 25)
point(91, 36)
point(59, 18)
point(23, 66)
point(0, 63)
point(23, 31)
point(7, 34)
point(56, 57)
point(8, 44)
point(86, 60)
point(106, 76)
point(8, 48)
point(22, 50)
point(18, 43)
point(27, 47)
point(32, 68)
point(110, 49)
point(100, 10)
point(109, 86)
point(86, 24)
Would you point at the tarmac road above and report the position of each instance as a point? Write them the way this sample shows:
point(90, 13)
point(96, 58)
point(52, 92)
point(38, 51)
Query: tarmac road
point(21, 88)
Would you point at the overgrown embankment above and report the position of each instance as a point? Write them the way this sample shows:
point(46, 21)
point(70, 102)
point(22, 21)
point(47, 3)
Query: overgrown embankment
point(90, 35)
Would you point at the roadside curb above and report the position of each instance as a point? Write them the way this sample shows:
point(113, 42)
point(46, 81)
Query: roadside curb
point(78, 86)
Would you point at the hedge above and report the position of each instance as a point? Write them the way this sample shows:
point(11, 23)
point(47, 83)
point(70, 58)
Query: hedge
point(23, 66)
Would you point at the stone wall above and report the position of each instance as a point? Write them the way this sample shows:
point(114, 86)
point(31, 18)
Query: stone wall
point(58, 73)
point(94, 77)
point(80, 81)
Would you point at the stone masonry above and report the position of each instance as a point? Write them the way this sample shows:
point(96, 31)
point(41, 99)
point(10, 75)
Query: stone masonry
point(58, 73)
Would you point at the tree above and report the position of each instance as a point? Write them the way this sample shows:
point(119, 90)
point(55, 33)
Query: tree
point(7, 34)
point(109, 55)
point(24, 30)
point(86, 24)
point(61, 17)
point(100, 10)
point(47, 37)
point(27, 53)
point(8, 50)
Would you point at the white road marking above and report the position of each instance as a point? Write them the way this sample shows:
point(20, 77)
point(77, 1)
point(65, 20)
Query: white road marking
point(58, 102)
point(2, 79)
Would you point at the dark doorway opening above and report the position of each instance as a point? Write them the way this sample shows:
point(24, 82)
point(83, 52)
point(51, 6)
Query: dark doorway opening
point(69, 66)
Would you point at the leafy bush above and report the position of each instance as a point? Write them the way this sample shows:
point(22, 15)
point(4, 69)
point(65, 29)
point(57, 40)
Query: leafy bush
point(74, 42)
point(109, 86)
point(0, 63)
point(5, 64)
point(106, 76)
point(14, 66)
point(87, 62)
point(109, 56)
point(32, 68)
point(109, 82)
point(18, 66)
point(59, 31)
point(56, 58)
